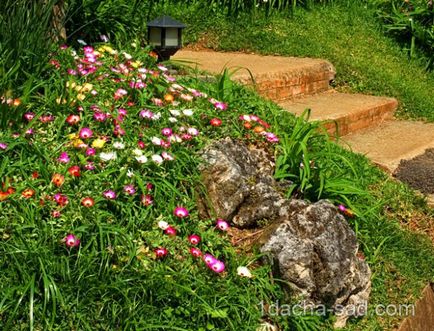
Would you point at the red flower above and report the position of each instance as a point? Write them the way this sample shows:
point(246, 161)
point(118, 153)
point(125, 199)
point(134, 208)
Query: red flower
point(74, 171)
point(73, 119)
point(215, 122)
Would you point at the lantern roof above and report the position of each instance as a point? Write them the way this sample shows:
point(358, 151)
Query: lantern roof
point(165, 22)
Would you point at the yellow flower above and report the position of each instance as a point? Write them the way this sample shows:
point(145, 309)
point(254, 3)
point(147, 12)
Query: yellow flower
point(72, 136)
point(78, 143)
point(87, 87)
point(136, 64)
point(81, 97)
point(71, 84)
point(98, 143)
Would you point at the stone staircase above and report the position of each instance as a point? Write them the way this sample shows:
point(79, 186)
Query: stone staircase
point(364, 123)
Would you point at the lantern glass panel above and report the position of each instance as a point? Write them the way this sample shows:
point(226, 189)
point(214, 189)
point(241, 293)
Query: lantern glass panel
point(172, 37)
point(155, 36)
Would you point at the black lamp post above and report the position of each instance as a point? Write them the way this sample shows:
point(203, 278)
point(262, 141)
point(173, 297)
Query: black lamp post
point(165, 35)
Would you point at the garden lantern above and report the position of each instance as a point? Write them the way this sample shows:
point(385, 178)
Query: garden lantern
point(165, 35)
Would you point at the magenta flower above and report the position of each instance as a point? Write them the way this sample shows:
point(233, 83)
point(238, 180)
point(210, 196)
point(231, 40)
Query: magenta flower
point(61, 199)
point(3, 146)
point(218, 266)
point(166, 132)
point(170, 231)
point(109, 194)
point(222, 224)
point(195, 252)
point(160, 252)
point(342, 208)
point(129, 189)
point(220, 105)
point(99, 116)
point(209, 259)
point(180, 212)
point(90, 151)
point(85, 133)
point(71, 240)
point(29, 116)
point(194, 239)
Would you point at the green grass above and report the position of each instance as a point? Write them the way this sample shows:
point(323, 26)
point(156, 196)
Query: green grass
point(350, 37)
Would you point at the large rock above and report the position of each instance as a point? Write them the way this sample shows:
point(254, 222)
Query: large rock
point(311, 246)
point(315, 251)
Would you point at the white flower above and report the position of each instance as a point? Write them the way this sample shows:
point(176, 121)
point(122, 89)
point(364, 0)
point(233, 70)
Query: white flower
point(142, 159)
point(156, 141)
point(127, 56)
point(157, 159)
point(130, 173)
point(163, 225)
point(174, 138)
point(177, 87)
point(82, 42)
point(137, 152)
point(118, 145)
point(156, 116)
point(187, 112)
point(172, 119)
point(108, 156)
point(175, 112)
point(244, 272)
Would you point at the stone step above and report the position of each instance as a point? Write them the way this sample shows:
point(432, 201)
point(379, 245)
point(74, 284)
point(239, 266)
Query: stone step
point(392, 141)
point(344, 113)
point(275, 77)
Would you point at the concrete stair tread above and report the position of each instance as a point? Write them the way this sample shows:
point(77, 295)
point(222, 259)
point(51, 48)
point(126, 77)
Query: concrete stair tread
point(275, 77)
point(391, 142)
point(348, 112)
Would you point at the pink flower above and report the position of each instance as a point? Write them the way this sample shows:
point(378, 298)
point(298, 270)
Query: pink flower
point(220, 105)
point(193, 131)
point(29, 116)
point(160, 252)
point(180, 212)
point(109, 194)
point(166, 132)
point(3, 146)
point(170, 231)
point(194, 239)
point(218, 266)
point(195, 252)
point(147, 199)
point(129, 189)
point(146, 113)
point(167, 156)
point(71, 240)
point(120, 93)
point(85, 133)
point(222, 224)
point(209, 259)
point(56, 213)
point(342, 208)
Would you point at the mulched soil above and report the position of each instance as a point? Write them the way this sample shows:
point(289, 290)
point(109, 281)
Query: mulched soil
point(418, 173)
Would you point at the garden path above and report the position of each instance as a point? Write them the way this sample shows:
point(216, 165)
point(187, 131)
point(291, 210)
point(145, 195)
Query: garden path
point(365, 124)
